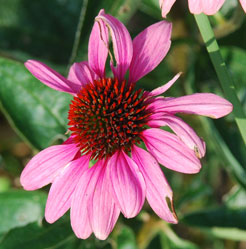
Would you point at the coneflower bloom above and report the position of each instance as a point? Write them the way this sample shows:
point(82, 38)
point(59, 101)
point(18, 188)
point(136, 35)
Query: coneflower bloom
point(108, 118)
point(208, 7)
point(243, 3)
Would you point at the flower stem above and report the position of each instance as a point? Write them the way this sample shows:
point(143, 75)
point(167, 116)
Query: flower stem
point(223, 74)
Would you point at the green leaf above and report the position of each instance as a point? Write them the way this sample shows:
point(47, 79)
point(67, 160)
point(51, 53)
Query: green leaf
point(49, 38)
point(169, 240)
point(152, 8)
point(236, 61)
point(217, 217)
point(34, 236)
point(38, 113)
point(18, 208)
point(227, 233)
point(45, 236)
point(236, 198)
point(126, 239)
point(223, 74)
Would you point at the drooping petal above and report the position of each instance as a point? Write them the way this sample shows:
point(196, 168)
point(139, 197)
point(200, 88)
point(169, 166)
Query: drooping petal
point(122, 44)
point(243, 3)
point(51, 78)
point(81, 74)
point(183, 131)
point(170, 151)
point(102, 210)
point(157, 187)
point(149, 49)
point(208, 7)
point(165, 6)
point(62, 188)
point(164, 88)
point(44, 167)
point(195, 6)
point(79, 206)
point(98, 48)
point(206, 104)
point(128, 186)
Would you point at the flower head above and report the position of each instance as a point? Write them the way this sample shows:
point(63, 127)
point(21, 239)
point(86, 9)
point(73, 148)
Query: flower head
point(108, 118)
point(208, 7)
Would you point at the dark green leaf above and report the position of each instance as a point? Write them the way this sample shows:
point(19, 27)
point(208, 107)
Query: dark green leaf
point(19, 208)
point(37, 112)
point(34, 236)
point(126, 239)
point(152, 8)
point(38, 29)
point(218, 217)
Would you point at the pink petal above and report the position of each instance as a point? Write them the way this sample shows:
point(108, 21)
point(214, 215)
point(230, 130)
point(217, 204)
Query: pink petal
point(45, 166)
point(128, 186)
point(165, 6)
point(97, 49)
point(170, 151)
point(81, 74)
point(164, 88)
point(103, 213)
point(122, 44)
point(83, 192)
point(243, 3)
point(183, 131)
point(157, 188)
point(149, 49)
point(206, 104)
point(208, 7)
point(51, 78)
point(62, 188)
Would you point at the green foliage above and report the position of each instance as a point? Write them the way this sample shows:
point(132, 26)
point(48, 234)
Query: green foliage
point(36, 111)
point(19, 208)
point(126, 239)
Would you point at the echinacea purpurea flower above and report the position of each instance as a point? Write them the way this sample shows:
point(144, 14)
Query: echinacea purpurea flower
point(108, 118)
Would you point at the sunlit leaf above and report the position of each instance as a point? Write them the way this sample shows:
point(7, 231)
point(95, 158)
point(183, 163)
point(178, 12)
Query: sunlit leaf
point(18, 208)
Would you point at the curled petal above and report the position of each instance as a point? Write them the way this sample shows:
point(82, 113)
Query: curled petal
point(103, 213)
point(164, 88)
point(45, 166)
point(98, 48)
point(243, 3)
point(149, 49)
point(165, 6)
point(122, 44)
point(62, 188)
point(128, 186)
point(170, 151)
point(157, 187)
point(51, 78)
point(79, 206)
point(183, 131)
point(208, 7)
point(81, 74)
point(206, 104)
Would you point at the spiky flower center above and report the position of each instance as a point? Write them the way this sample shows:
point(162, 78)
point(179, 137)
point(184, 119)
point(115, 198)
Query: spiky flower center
point(107, 115)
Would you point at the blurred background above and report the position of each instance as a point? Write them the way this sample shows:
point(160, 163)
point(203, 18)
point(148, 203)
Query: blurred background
point(211, 205)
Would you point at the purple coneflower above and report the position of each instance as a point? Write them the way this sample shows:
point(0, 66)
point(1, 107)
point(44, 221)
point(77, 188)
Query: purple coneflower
point(208, 7)
point(108, 118)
